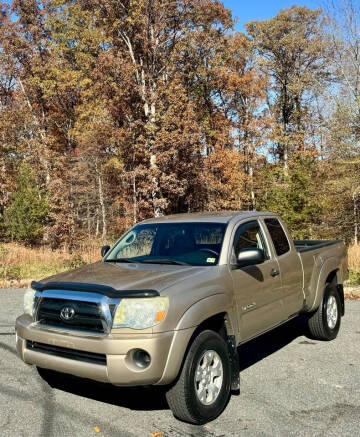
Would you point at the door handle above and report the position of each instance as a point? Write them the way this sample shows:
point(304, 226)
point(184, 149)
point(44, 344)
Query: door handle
point(274, 273)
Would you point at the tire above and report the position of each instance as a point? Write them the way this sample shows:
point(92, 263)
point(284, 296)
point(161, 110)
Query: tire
point(208, 350)
point(324, 323)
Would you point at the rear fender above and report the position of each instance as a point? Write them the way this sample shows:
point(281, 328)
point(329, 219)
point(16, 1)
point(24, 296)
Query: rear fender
point(330, 265)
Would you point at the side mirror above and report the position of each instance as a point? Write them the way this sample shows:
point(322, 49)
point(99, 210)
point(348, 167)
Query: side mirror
point(104, 251)
point(250, 257)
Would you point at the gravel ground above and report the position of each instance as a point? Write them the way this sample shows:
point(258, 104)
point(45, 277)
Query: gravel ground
point(290, 386)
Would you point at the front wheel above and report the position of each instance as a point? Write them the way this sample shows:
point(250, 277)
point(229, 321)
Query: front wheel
point(324, 324)
point(203, 388)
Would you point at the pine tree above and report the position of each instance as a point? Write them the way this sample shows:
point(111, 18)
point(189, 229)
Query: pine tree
point(296, 197)
point(26, 215)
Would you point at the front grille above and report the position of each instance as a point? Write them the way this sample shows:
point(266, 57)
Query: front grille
point(64, 352)
point(87, 315)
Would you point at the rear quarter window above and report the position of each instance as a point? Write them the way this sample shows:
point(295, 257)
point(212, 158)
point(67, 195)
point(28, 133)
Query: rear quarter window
point(278, 236)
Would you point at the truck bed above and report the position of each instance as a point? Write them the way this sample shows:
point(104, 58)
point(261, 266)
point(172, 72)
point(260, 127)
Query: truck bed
point(307, 245)
point(313, 255)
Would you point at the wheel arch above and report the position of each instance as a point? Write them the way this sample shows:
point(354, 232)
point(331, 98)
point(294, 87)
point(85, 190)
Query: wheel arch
point(335, 277)
point(214, 313)
point(329, 273)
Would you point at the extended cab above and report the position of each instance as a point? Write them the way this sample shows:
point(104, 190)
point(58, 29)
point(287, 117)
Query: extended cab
point(173, 298)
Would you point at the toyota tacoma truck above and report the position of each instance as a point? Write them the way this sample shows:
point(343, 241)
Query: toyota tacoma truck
point(174, 297)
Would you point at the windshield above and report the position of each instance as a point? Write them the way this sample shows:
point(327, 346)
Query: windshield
point(196, 244)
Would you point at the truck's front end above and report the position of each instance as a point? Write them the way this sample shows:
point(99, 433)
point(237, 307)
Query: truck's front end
point(95, 332)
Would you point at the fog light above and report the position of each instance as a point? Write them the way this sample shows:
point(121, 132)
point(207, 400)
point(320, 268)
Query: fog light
point(141, 358)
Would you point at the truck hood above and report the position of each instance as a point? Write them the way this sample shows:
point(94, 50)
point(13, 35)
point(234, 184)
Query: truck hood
point(128, 276)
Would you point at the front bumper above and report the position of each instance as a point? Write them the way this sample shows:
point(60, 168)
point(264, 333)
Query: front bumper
point(118, 369)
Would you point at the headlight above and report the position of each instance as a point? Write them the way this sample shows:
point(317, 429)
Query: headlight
point(29, 299)
point(140, 313)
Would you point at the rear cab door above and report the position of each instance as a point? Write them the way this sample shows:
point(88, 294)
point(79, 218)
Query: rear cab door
point(257, 288)
point(291, 270)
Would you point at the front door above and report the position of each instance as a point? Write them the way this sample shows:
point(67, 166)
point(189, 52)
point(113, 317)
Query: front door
point(257, 288)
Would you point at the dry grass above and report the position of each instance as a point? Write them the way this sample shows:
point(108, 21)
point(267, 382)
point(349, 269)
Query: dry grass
point(20, 265)
point(354, 266)
point(354, 258)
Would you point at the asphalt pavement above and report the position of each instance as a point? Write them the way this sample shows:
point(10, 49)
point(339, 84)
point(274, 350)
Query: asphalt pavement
point(290, 386)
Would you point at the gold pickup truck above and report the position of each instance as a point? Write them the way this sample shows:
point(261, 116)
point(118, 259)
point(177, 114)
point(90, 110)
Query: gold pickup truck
point(170, 302)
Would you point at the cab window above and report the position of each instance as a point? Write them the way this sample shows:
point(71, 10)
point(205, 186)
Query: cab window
point(248, 235)
point(278, 236)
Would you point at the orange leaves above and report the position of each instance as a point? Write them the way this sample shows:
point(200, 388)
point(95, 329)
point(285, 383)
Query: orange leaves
point(125, 111)
point(226, 179)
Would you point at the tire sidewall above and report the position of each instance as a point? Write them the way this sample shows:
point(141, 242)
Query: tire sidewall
point(208, 340)
point(330, 290)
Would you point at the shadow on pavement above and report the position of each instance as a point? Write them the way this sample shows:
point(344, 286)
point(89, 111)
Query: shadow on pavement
point(261, 347)
point(135, 398)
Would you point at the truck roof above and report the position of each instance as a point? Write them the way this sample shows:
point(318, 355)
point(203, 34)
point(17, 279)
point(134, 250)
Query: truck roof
point(220, 216)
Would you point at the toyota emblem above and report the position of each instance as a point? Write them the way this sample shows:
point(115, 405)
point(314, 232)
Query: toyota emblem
point(67, 313)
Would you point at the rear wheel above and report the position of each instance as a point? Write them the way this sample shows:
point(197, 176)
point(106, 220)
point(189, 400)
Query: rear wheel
point(324, 324)
point(203, 388)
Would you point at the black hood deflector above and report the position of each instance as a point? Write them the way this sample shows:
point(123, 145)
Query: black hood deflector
point(105, 290)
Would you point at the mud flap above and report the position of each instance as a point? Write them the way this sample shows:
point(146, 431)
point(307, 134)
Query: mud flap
point(340, 290)
point(234, 363)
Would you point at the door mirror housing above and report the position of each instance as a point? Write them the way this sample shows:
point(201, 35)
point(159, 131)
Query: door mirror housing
point(250, 257)
point(104, 250)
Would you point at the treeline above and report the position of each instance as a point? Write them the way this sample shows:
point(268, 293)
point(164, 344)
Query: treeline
point(113, 111)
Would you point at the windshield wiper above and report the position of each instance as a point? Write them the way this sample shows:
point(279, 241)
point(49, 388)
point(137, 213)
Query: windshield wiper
point(120, 260)
point(164, 261)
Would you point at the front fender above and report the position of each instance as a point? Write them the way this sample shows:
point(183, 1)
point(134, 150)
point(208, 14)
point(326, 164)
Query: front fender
point(205, 308)
point(191, 319)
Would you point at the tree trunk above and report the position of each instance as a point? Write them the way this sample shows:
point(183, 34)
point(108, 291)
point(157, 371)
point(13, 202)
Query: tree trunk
point(88, 219)
point(356, 219)
point(101, 200)
point(156, 190)
point(134, 200)
point(97, 223)
point(286, 160)
point(42, 154)
point(147, 92)
point(250, 171)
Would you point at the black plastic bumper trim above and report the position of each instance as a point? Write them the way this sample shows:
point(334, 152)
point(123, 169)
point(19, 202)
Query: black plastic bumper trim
point(64, 352)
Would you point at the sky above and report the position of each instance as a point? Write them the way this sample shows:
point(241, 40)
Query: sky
point(248, 10)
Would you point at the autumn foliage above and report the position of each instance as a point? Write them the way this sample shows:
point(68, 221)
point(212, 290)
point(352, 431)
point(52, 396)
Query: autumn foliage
point(122, 110)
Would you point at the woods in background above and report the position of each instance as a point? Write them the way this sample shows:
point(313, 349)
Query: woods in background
point(114, 111)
